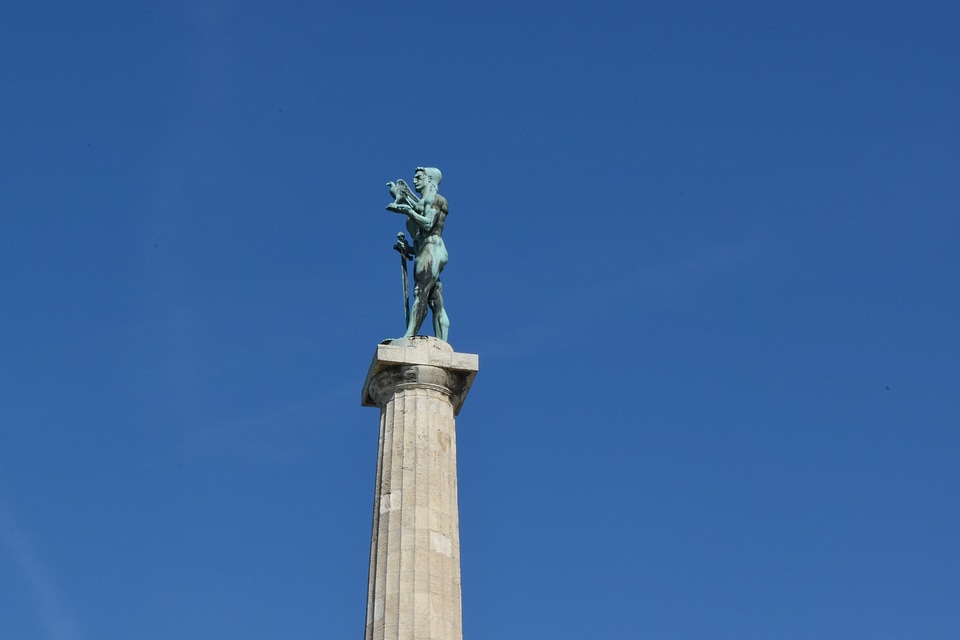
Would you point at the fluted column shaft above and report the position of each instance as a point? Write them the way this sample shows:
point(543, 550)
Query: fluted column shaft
point(414, 579)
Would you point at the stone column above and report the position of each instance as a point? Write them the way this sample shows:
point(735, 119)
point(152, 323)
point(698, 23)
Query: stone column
point(414, 583)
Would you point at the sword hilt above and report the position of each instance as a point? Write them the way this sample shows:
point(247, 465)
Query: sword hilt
point(402, 246)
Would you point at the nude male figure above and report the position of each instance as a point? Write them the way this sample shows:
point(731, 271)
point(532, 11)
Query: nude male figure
point(425, 220)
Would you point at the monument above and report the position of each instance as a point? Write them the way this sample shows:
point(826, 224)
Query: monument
point(419, 383)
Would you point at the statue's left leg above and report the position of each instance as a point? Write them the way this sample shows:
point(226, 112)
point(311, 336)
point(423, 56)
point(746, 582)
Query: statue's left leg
point(441, 322)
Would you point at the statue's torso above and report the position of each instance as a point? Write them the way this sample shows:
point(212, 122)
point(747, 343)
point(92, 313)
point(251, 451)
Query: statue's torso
point(434, 234)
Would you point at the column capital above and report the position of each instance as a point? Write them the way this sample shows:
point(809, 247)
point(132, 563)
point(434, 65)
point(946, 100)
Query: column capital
point(421, 361)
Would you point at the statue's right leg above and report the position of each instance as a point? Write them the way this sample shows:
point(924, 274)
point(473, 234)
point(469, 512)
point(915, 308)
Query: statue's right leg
point(418, 313)
point(424, 280)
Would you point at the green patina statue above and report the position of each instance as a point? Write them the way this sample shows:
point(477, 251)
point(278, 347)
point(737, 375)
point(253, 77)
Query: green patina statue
point(425, 218)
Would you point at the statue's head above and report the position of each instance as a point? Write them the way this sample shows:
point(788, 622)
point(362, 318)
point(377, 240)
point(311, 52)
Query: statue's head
point(431, 174)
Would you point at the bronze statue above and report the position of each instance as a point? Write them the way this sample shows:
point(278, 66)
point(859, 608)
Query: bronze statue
point(425, 219)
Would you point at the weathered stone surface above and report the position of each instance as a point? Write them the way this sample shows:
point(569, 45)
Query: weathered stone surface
point(421, 350)
point(414, 581)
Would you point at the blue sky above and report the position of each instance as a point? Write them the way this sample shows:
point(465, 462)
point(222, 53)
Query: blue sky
point(707, 253)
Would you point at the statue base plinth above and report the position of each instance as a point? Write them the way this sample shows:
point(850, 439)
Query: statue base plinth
point(422, 350)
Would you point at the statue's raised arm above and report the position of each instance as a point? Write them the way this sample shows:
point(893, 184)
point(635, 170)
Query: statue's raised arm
point(426, 217)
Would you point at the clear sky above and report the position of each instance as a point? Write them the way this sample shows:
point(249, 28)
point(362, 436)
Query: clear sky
point(706, 251)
